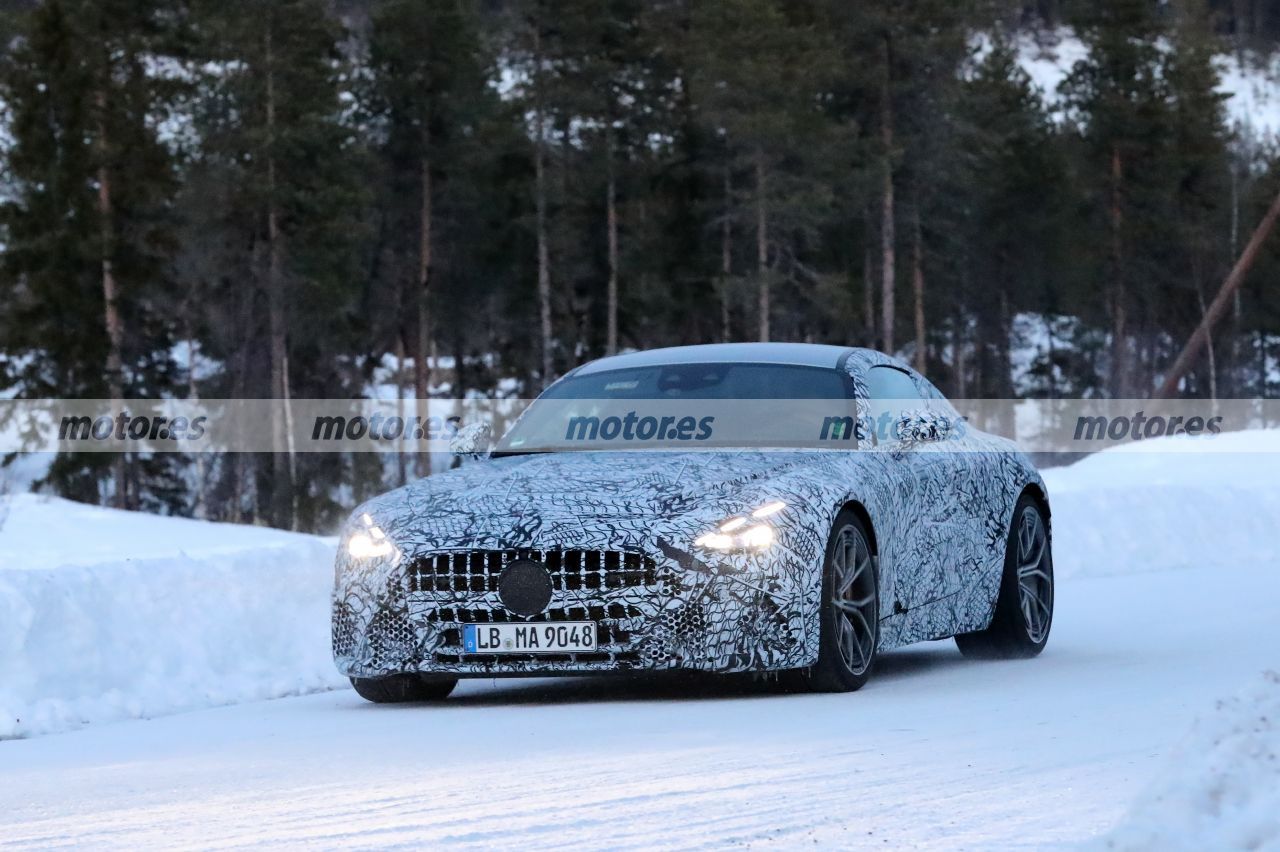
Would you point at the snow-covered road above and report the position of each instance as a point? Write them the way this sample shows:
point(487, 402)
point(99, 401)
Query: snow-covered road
point(936, 751)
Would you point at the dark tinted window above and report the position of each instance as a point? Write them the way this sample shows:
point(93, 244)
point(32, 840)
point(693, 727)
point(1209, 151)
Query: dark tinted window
point(704, 381)
point(890, 383)
point(891, 392)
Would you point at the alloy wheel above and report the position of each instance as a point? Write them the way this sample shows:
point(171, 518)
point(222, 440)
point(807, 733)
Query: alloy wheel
point(1035, 576)
point(853, 600)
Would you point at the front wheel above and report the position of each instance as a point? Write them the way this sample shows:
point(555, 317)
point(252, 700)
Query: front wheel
point(400, 688)
point(1024, 609)
point(850, 623)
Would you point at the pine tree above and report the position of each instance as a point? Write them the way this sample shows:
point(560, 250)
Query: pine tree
point(604, 81)
point(427, 97)
point(1001, 215)
point(1154, 153)
point(1119, 101)
point(273, 132)
point(89, 223)
point(760, 82)
point(525, 185)
point(900, 64)
point(1197, 168)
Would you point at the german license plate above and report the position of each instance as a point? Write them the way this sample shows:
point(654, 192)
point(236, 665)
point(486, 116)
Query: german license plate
point(561, 637)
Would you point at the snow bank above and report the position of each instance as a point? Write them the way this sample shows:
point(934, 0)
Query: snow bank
point(48, 532)
point(1220, 788)
point(107, 615)
point(1168, 504)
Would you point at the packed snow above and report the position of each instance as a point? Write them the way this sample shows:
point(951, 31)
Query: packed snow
point(1168, 505)
point(1220, 787)
point(107, 615)
point(1167, 601)
point(43, 532)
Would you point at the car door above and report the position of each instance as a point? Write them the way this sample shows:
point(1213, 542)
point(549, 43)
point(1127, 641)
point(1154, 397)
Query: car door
point(929, 478)
point(983, 498)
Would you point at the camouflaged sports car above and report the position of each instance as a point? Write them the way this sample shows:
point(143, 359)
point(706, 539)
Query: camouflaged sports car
point(566, 549)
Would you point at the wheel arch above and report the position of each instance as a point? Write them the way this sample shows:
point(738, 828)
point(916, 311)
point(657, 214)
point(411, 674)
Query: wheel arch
point(1037, 493)
point(863, 515)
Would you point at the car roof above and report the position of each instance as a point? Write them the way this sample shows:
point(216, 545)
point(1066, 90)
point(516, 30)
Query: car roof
point(795, 354)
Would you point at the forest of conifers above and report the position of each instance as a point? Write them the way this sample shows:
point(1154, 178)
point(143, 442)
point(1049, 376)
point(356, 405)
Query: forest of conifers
point(300, 198)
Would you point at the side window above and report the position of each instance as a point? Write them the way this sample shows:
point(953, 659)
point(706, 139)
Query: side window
point(936, 400)
point(891, 392)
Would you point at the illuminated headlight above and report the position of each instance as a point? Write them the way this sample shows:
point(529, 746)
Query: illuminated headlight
point(744, 532)
point(370, 542)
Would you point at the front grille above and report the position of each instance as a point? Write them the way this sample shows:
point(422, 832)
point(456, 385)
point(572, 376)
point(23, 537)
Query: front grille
point(477, 571)
point(461, 587)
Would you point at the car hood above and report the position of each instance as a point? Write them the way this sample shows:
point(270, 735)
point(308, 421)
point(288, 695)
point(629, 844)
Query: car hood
point(580, 499)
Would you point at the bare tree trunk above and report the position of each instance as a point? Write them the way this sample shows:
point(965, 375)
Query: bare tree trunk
point(959, 327)
point(1237, 313)
point(1005, 355)
point(110, 300)
point(917, 289)
point(1240, 20)
point(611, 216)
point(402, 471)
point(762, 246)
point(1213, 367)
point(887, 271)
point(292, 456)
point(726, 255)
point(868, 286)
point(1219, 304)
point(422, 361)
point(540, 198)
point(1000, 385)
point(1052, 355)
point(193, 394)
point(1119, 297)
point(1262, 370)
point(277, 323)
point(241, 465)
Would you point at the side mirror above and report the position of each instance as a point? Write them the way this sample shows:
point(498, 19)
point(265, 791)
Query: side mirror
point(922, 426)
point(472, 440)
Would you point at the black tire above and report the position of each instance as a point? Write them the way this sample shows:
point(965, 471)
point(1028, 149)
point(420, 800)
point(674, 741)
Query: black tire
point(833, 672)
point(400, 688)
point(1024, 608)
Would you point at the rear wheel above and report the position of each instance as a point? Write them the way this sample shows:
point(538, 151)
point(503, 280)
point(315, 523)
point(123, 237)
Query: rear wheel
point(1024, 609)
point(399, 688)
point(850, 624)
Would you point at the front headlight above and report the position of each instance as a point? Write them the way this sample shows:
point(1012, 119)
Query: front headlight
point(743, 532)
point(370, 542)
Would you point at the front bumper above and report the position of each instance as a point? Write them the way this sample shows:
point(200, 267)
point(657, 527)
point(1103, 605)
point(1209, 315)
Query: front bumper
point(656, 608)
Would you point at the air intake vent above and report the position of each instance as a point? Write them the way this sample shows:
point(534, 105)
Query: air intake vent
point(477, 571)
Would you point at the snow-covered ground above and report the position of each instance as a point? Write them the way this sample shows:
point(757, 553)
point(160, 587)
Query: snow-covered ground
point(1167, 607)
point(1171, 504)
point(107, 615)
point(1220, 787)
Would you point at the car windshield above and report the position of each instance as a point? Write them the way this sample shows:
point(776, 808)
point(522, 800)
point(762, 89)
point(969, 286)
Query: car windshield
point(704, 381)
point(655, 393)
